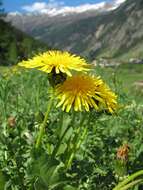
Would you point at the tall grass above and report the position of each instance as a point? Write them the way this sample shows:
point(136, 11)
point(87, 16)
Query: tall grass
point(23, 103)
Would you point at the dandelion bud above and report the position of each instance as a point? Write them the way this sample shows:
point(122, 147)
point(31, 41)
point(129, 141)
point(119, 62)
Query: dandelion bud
point(11, 121)
point(122, 152)
point(55, 78)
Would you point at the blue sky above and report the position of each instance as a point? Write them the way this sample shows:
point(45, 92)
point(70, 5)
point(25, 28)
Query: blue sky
point(16, 5)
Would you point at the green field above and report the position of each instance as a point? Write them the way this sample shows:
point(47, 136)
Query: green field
point(96, 165)
point(124, 78)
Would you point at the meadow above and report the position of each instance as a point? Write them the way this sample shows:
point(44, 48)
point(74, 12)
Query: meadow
point(109, 151)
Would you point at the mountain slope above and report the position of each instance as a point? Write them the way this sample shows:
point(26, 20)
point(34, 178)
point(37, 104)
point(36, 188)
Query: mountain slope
point(117, 34)
point(16, 45)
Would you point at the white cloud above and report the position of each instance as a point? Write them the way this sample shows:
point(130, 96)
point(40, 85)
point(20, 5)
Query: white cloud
point(54, 7)
point(14, 13)
point(35, 7)
point(42, 6)
point(117, 3)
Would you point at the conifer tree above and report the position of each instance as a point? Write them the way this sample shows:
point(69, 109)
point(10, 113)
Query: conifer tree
point(12, 53)
point(1, 9)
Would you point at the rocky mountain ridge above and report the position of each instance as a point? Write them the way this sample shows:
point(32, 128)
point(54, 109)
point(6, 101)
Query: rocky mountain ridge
point(112, 34)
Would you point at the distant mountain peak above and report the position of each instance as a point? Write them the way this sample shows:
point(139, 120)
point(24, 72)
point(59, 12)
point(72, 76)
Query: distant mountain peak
point(55, 9)
point(91, 33)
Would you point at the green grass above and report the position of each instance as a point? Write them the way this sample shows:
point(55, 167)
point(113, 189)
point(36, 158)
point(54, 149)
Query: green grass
point(24, 97)
point(124, 77)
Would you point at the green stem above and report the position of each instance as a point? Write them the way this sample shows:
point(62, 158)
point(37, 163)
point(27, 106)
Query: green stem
point(77, 142)
point(62, 137)
point(82, 138)
point(59, 143)
point(130, 178)
point(128, 186)
point(43, 125)
point(76, 148)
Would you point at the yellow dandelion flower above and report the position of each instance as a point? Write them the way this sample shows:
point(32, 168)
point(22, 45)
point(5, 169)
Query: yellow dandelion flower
point(85, 92)
point(109, 97)
point(60, 62)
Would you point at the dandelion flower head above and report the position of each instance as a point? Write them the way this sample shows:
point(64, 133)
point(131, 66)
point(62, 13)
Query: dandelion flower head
point(60, 62)
point(83, 92)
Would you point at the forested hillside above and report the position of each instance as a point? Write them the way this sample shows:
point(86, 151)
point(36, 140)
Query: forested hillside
point(16, 45)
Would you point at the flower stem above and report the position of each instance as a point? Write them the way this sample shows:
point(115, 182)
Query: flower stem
point(43, 124)
point(77, 147)
point(128, 179)
point(62, 137)
point(79, 138)
point(59, 143)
